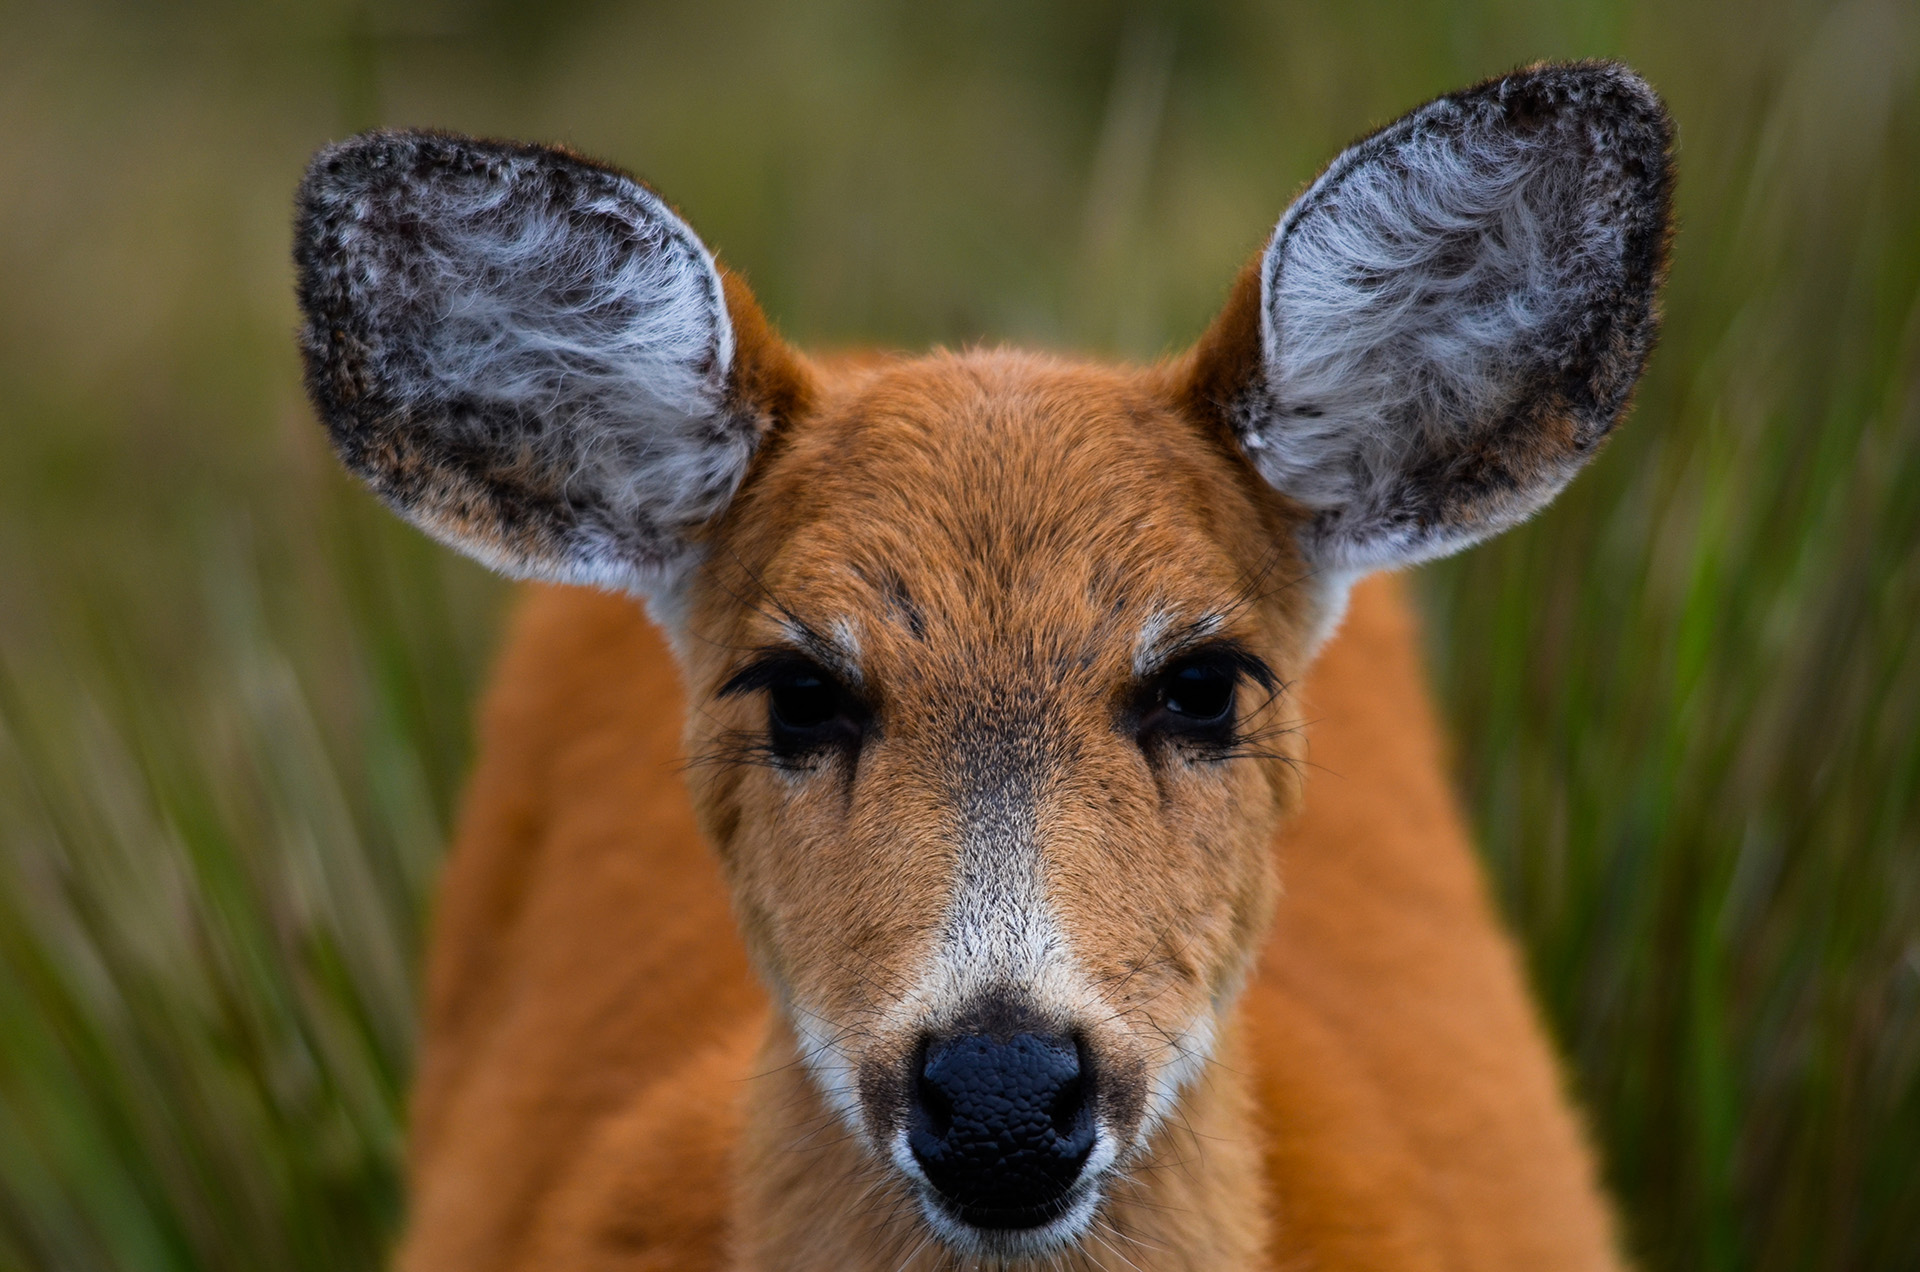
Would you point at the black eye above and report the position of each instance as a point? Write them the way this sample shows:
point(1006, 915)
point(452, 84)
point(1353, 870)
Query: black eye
point(1199, 692)
point(802, 701)
point(808, 708)
point(1194, 700)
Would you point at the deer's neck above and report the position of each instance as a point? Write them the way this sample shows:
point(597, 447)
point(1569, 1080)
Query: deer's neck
point(812, 1198)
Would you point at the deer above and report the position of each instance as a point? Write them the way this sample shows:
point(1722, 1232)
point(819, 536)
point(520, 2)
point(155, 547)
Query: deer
point(983, 808)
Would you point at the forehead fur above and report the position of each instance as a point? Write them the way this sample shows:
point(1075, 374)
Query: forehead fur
point(996, 492)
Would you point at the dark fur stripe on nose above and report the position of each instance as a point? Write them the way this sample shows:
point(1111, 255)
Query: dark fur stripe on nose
point(998, 924)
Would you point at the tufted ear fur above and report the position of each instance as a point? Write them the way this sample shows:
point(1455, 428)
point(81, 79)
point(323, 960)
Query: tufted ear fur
point(530, 355)
point(1449, 321)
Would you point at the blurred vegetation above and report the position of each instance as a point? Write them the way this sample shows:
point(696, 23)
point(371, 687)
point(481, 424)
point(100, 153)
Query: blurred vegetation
point(234, 694)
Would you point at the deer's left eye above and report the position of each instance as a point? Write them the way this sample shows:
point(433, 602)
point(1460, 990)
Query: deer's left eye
point(1196, 699)
point(1199, 693)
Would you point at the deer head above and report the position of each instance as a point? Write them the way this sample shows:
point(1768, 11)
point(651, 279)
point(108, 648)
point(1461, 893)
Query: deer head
point(989, 653)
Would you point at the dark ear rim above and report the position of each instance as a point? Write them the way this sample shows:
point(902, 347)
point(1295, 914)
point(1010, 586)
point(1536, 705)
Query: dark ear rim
point(385, 430)
point(1225, 377)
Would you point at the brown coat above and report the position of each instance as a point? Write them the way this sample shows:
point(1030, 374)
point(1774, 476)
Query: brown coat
point(592, 1023)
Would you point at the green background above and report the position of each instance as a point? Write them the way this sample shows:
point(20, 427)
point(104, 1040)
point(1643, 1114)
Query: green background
point(235, 695)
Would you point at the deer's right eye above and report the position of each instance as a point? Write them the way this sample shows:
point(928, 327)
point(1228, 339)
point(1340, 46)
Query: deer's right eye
point(808, 708)
point(802, 702)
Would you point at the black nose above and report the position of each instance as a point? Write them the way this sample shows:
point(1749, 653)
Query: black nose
point(1002, 1128)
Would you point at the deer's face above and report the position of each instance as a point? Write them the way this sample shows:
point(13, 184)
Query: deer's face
point(990, 655)
point(991, 664)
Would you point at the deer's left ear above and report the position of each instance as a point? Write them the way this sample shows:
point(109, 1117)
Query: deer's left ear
point(1449, 321)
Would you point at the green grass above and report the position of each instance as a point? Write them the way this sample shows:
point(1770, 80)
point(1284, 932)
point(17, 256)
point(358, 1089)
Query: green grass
point(234, 696)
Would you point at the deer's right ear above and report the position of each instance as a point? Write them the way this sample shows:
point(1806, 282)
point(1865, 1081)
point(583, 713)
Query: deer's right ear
point(530, 356)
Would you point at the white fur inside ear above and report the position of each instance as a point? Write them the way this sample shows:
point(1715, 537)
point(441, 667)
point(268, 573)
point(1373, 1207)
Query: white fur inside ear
point(526, 354)
point(620, 335)
point(1402, 293)
point(1442, 294)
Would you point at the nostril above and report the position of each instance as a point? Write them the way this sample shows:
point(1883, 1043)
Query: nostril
point(1072, 1108)
point(1069, 1107)
point(934, 1106)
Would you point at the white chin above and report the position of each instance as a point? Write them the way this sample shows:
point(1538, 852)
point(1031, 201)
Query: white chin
point(1014, 1243)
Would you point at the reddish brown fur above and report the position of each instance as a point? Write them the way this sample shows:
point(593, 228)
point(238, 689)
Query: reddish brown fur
point(604, 1084)
point(593, 1026)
